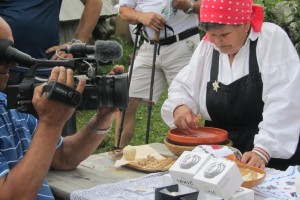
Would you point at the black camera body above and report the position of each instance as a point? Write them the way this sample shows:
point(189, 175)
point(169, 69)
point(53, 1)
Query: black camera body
point(100, 91)
point(106, 91)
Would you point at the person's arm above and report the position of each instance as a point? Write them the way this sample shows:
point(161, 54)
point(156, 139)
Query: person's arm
point(279, 130)
point(87, 23)
point(89, 19)
point(79, 146)
point(184, 5)
point(151, 19)
point(82, 144)
point(25, 179)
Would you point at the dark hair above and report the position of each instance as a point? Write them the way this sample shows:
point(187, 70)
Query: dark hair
point(206, 26)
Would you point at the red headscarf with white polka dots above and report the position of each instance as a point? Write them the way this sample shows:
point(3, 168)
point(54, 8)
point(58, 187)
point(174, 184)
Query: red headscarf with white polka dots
point(233, 12)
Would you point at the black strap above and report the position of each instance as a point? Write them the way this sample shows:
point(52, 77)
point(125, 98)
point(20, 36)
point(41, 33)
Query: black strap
point(252, 58)
point(167, 27)
point(253, 64)
point(172, 39)
point(137, 29)
point(214, 66)
point(56, 91)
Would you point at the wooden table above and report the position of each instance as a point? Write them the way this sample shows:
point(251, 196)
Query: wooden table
point(95, 170)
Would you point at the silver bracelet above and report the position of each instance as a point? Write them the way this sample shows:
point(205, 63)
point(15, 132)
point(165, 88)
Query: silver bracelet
point(75, 41)
point(96, 130)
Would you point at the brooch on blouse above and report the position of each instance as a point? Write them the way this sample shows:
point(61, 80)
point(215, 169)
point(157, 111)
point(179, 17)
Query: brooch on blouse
point(216, 85)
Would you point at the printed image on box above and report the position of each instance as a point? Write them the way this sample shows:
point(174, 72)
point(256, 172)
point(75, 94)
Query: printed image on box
point(219, 177)
point(243, 194)
point(186, 166)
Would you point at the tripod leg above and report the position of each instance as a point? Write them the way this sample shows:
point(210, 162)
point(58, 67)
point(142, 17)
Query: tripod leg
point(150, 103)
point(138, 31)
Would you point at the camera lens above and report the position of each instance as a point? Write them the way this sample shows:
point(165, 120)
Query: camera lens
point(113, 91)
point(121, 91)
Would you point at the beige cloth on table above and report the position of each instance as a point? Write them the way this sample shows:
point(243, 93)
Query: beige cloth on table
point(141, 152)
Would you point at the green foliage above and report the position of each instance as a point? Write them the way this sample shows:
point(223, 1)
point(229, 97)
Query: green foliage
point(158, 129)
point(286, 14)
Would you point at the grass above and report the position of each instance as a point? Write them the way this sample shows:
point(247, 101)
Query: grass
point(158, 129)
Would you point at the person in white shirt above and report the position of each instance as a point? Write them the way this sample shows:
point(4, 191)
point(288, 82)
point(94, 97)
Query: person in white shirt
point(176, 32)
point(243, 77)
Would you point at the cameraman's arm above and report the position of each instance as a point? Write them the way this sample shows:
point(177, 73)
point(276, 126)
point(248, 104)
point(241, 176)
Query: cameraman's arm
point(79, 146)
point(33, 167)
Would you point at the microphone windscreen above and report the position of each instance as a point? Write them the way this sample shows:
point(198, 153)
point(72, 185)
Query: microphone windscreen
point(106, 50)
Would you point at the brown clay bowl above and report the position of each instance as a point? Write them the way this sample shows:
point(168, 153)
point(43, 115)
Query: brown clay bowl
point(202, 135)
point(178, 149)
point(252, 176)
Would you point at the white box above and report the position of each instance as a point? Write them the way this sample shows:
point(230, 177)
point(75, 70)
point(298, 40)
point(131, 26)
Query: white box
point(243, 194)
point(219, 177)
point(167, 180)
point(206, 196)
point(186, 166)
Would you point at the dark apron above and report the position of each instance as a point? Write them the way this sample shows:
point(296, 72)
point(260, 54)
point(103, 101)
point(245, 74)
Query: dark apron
point(238, 107)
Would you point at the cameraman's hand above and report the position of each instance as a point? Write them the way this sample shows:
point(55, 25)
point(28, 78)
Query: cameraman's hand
point(117, 69)
point(50, 112)
point(104, 117)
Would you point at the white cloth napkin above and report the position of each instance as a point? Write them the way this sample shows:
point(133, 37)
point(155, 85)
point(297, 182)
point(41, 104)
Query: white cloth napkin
point(217, 151)
point(141, 152)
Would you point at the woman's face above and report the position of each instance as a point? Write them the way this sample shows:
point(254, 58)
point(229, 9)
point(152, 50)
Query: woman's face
point(229, 38)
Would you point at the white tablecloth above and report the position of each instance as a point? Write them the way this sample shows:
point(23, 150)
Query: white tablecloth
point(277, 185)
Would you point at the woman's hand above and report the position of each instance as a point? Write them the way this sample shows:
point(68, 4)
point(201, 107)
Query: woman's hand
point(253, 159)
point(184, 118)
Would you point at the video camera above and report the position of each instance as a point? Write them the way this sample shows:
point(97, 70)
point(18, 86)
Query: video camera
point(100, 91)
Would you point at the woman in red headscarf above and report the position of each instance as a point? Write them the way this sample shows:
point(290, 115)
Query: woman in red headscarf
point(244, 78)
